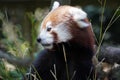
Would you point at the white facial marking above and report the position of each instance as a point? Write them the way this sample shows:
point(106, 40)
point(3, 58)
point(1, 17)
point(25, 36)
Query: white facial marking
point(63, 32)
point(78, 16)
point(46, 37)
point(49, 23)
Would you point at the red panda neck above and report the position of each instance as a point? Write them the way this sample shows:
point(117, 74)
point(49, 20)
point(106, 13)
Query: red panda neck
point(84, 38)
point(73, 51)
point(81, 36)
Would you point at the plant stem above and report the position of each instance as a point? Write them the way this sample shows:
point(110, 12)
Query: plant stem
point(108, 26)
point(102, 18)
point(66, 62)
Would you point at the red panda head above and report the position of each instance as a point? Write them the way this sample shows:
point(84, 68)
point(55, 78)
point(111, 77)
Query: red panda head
point(65, 23)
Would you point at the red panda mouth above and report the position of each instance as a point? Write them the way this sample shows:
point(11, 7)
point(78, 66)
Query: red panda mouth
point(46, 44)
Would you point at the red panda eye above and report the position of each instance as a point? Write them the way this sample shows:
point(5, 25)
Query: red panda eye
point(48, 29)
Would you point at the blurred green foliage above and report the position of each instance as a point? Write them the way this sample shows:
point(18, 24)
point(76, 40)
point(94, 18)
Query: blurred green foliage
point(15, 43)
point(9, 75)
point(110, 18)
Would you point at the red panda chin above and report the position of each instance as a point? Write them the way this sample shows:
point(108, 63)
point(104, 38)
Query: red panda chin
point(48, 46)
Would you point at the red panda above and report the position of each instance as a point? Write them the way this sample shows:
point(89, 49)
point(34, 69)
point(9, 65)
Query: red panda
point(69, 27)
point(66, 23)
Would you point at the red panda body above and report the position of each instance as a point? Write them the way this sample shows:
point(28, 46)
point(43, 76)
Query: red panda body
point(68, 39)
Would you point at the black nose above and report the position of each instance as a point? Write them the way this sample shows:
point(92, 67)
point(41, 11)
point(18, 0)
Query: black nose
point(38, 40)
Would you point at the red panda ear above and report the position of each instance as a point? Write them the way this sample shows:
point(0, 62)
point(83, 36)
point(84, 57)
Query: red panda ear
point(56, 4)
point(80, 17)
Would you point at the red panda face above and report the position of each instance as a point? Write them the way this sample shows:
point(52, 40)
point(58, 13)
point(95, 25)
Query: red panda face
point(54, 34)
point(60, 24)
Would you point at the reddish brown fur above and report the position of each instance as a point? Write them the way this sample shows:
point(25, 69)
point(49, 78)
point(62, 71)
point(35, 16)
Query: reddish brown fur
point(84, 36)
point(55, 17)
point(55, 36)
point(81, 35)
